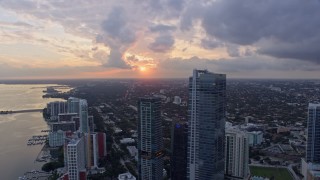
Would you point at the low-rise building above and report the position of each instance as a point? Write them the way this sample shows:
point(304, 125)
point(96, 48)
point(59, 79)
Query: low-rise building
point(132, 150)
point(255, 138)
point(126, 176)
point(127, 140)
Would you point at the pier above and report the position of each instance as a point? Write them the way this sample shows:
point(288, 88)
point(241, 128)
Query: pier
point(20, 111)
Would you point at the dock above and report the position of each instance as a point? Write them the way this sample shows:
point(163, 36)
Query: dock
point(20, 111)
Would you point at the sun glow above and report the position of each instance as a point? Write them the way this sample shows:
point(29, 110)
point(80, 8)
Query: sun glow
point(142, 68)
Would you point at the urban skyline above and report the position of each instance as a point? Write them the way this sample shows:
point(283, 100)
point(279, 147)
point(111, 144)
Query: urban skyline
point(180, 129)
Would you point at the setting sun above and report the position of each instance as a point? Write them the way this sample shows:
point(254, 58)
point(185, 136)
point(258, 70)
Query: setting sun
point(142, 68)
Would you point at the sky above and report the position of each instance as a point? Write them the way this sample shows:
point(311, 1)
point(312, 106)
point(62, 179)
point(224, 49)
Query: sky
point(63, 39)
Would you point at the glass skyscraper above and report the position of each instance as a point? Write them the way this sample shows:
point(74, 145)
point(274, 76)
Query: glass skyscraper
point(80, 106)
point(206, 125)
point(313, 139)
point(179, 142)
point(83, 114)
point(150, 142)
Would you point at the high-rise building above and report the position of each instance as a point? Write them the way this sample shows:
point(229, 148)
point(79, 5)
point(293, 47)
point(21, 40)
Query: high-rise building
point(93, 155)
point(310, 166)
point(83, 114)
point(206, 125)
point(102, 146)
point(76, 158)
point(63, 125)
point(236, 153)
point(179, 144)
point(56, 138)
point(313, 136)
point(73, 105)
point(56, 108)
point(150, 142)
point(66, 116)
point(80, 107)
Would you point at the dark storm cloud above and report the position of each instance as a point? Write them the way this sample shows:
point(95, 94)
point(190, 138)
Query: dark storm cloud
point(289, 28)
point(162, 44)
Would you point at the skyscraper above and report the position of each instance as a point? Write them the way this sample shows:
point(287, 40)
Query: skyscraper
point(310, 166)
point(76, 158)
point(73, 105)
point(83, 114)
point(206, 125)
point(236, 153)
point(80, 107)
point(179, 143)
point(313, 138)
point(150, 143)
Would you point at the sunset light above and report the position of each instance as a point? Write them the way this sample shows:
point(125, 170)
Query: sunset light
point(142, 68)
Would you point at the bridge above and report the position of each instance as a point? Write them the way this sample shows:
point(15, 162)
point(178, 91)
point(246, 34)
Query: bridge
point(20, 111)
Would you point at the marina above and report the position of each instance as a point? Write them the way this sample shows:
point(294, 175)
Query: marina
point(37, 140)
point(34, 174)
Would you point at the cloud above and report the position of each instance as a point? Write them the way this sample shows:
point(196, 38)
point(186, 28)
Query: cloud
point(162, 44)
point(162, 28)
point(210, 44)
point(233, 50)
point(240, 67)
point(115, 60)
point(117, 28)
point(193, 11)
point(176, 4)
point(285, 25)
point(118, 36)
point(243, 36)
point(8, 71)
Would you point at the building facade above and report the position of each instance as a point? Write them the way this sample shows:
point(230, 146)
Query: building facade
point(73, 105)
point(236, 153)
point(179, 145)
point(56, 108)
point(76, 158)
point(313, 136)
point(206, 125)
point(84, 121)
point(56, 138)
point(310, 166)
point(150, 142)
point(255, 138)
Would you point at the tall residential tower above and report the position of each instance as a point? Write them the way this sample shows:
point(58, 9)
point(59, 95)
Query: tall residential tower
point(206, 125)
point(179, 143)
point(150, 143)
point(236, 153)
point(313, 138)
point(310, 166)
